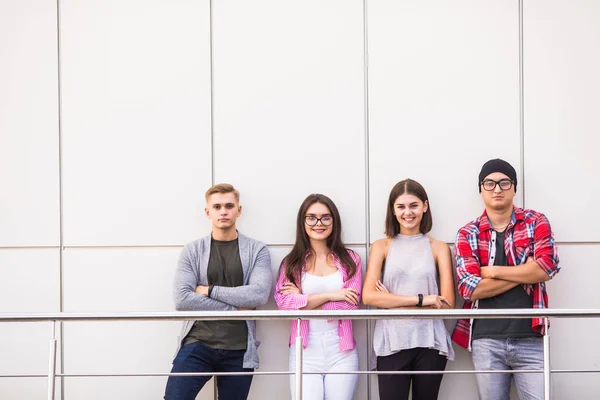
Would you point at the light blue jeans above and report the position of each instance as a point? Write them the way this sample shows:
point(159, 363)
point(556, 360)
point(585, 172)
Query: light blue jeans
point(509, 354)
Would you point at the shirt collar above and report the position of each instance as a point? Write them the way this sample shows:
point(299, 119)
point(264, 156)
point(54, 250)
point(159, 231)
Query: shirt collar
point(517, 216)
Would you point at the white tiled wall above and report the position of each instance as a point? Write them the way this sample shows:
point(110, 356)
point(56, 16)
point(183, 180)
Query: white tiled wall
point(29, 197)
point(443, 98)
point(30, 284)
point(562, 123)
point(289, 109)
point(293, 110)
point(135, 120)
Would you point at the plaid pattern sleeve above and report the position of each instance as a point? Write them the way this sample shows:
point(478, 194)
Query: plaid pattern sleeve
point(468, 266)
point(529, 234)
point(544, 250)
point(546, 255)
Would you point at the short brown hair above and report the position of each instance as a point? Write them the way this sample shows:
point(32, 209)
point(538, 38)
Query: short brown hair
point(408, 186)
point(222, 188)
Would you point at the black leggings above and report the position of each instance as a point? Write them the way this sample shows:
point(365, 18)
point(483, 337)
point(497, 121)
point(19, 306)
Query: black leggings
point(424, 387)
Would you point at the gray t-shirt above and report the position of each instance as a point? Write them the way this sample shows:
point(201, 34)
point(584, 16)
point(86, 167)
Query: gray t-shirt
point(516, 297)
point(224, 269)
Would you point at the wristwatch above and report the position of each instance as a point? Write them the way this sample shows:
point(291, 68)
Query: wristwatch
point(420, 303)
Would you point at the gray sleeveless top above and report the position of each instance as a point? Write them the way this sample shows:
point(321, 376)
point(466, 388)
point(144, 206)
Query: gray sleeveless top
point(409, 270)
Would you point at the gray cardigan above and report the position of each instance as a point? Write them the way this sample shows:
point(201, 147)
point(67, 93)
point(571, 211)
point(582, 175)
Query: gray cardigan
point(192, 271)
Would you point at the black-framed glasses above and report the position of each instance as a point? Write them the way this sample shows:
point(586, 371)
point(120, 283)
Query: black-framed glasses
point(312, 220)
point(489, 185)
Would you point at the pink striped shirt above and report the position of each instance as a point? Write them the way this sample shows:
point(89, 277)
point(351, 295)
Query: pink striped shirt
point(297, 301)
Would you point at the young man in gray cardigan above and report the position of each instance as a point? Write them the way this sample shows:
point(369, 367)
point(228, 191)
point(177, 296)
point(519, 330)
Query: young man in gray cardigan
point(221, 272)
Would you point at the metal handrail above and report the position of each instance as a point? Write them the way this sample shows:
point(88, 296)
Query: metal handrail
point(299, 315)
point(308, 314)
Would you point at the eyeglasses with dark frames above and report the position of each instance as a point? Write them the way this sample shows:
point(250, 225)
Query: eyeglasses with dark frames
point(489, 184)
point(312, 220)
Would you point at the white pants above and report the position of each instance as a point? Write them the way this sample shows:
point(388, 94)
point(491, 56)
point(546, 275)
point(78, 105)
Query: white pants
point(322, 355)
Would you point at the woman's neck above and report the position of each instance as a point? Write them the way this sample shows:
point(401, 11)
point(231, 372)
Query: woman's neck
point(319, 249)
point(410, 232)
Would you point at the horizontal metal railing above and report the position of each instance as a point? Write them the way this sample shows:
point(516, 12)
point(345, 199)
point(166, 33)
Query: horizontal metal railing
point(296, 315)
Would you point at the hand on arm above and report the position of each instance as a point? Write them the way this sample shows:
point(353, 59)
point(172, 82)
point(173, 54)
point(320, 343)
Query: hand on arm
point(429, 301)
point(315, 301)
point(382, 298)
point(529, 272)
point(186, 298)
point(540, 267)
point(472, 285)
point(203, 290)
point(489, 287)
point(355, 282)
point(256, 292)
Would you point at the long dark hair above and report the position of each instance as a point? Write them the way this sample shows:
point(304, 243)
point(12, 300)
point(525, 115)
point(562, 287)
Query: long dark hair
point(295, 259)
point(408, 186)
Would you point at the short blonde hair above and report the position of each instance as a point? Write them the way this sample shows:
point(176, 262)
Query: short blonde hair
point(222, 188)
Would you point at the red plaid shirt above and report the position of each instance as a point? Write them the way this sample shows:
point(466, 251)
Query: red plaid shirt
point(528, 234)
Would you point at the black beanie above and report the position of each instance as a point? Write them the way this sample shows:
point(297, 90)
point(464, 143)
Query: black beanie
point(497, 165)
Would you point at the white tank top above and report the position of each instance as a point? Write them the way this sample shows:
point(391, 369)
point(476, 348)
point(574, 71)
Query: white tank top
point(312, 284)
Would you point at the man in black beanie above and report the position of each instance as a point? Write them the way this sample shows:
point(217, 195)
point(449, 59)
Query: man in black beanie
point(503, 259)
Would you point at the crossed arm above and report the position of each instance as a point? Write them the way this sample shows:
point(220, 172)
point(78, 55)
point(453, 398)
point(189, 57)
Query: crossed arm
point(289, 297)
point(376, 294)
point(192, 297)
point(479, 282)
point(497, 279)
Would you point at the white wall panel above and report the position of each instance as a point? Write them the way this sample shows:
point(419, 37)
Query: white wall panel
point(562, 98)
point(289, 109)
point(274, 350)
point(29, 284)
point(136, 120)
point(29, 204)
point(120, 347)
point(572, 341)
point(119, 280)
point(443, 99)
point(25, 349)
point(30, 280)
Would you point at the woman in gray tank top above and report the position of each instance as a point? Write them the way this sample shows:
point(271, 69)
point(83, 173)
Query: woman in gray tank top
point(403, 272)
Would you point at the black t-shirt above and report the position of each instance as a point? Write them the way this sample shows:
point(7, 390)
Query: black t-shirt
point(224, 269)
point(516, 297)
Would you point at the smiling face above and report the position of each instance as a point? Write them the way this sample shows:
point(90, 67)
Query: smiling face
point(498, 199)
point(223, 210)
point(319, 231)
point(409, 210)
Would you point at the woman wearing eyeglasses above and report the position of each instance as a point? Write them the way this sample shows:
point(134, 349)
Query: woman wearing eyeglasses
point(321, 273)
point(403, 272)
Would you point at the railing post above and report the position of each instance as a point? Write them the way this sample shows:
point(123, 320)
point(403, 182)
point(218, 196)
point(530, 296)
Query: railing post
point(52, 363)
point(298, 384)
point(547, 378)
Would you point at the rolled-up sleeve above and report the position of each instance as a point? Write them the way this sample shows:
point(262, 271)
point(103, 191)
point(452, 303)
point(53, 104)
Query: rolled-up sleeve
point(468, 267)
point(353, 283)
point(544, 247)
point(288, 301)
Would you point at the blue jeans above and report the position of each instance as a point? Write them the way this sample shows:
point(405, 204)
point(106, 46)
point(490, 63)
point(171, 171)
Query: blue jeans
point(509, 354)
point(198, 357)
